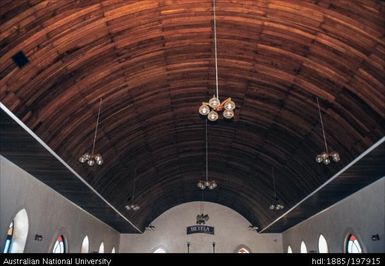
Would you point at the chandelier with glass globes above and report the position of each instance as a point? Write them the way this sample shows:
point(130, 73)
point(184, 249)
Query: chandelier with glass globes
point(91, 158)
point(210, 184)
point(214, 105)
point(326, 157)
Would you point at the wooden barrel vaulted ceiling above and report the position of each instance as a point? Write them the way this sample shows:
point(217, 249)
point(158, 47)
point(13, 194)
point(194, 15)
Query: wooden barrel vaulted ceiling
point(152, 62)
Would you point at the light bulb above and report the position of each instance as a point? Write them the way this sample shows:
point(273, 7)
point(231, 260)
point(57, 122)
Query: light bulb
point(128, 207)
point(318, 159)
point(98, 157)
point(214, 184)
point(272, 207)
point(324, 155)
point(87, 156)
point(335, 156)
point(207, 183)
point(327, 161)
point(213, 116)
point(229, 105)
point(82, 159)
point(91, 162)
point(214, 102)
point(204, 109)
point(228, 114)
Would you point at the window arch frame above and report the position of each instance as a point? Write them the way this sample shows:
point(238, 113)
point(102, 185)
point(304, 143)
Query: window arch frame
point(322, 238)
point(289, 249)
point(242, 247)
point(57, 242)
point(303, 244)
point(86, 238)
point(347, 240)
point(159, 248)
point(101, 248)
point(20, 232)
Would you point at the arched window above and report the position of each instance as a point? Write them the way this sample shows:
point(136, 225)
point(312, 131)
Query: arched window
point(17, 233)
point(322, 245)
point(352, 245)
point(303, 247)
point(8, 239)
point(60, 245)
point(160, 250)
point(289, 250)
point(243, 250)
point(85, 245)
point(101, 248)
point(113, 250)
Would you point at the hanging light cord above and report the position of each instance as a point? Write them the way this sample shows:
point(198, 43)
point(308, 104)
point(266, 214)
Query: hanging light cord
point(207, 157)
point(201, 204)
point(96, 127)
point(322, 126)
point(133, 187)
point(275, 190)
point(215, 51)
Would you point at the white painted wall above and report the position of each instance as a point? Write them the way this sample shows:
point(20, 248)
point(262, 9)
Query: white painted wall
point(49, 213)
point(362, 213)
point(231, 232)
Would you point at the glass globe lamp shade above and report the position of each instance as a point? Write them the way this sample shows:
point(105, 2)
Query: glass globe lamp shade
point(87, 156)
point(318, 158)
point(327, 161)
point(91, 162)
point(213, 116)
point(82, 159)
point(228, 114)
point(204, 109)
point(98, 157)
point(214, 102)
point(335, 156)
point(324, 156)
point(229, 105)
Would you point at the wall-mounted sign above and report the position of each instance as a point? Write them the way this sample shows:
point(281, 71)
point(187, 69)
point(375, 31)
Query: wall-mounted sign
point(200, 229)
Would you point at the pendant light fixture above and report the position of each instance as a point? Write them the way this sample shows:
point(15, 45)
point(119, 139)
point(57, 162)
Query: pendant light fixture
point(211, 108)
point(92, 158)
point(276, 206)
point(132, 206)
point(325, 157)
point(210, 184)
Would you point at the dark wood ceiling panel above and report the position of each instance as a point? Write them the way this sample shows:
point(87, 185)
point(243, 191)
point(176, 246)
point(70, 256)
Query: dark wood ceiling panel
point(152, 62)
point(25, 150)
point(364, 171)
